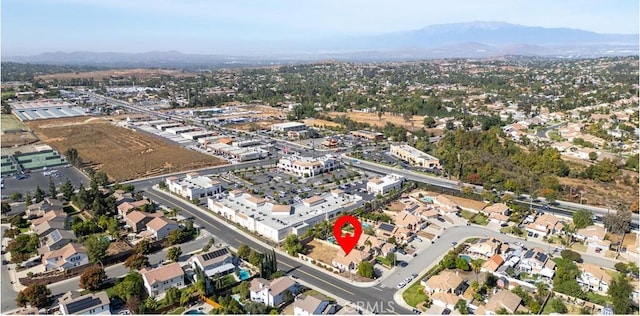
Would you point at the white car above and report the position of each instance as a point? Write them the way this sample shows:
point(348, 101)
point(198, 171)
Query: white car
point(401, 285)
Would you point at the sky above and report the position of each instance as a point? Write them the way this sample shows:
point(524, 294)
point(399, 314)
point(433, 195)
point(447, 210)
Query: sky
point(31, 27)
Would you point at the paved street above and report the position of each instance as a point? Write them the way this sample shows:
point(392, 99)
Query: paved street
point(8, 297)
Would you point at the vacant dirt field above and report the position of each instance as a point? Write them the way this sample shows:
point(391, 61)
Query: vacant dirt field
point(321, 252)
point(122, 153)
point(125, 73)
point(320, 123)
point(372, 119)
point(14, 132)
point(602, 194)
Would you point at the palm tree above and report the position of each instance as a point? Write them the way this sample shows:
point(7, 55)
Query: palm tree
point(476, 264)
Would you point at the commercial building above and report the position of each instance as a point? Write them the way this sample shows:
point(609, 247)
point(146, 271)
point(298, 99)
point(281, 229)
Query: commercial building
point(237, 153)
point(193, 186)
point(385, 184)
point(276, 222)
point(195, 135)
point(414, 156)
point(288, 127)
point(366, 135)
point(308, 166)
point(45, 109)
point(180, 129)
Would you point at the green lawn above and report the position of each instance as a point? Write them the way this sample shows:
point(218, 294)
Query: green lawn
point(10, 122)
point(414, 294)
point(467, 215)
point(481, 219)
point(384, 261)
point(597, 298)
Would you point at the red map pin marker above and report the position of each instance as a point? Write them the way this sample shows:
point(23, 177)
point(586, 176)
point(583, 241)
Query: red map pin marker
point(348, 241)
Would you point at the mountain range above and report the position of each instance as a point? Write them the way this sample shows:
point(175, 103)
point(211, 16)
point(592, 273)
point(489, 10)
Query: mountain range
point(478, 39)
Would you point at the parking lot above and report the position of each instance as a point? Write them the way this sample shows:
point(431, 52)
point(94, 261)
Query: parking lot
point(38, 178)
point(285, 188)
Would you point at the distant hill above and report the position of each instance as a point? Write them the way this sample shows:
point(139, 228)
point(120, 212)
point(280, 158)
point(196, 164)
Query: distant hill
point(470, 40)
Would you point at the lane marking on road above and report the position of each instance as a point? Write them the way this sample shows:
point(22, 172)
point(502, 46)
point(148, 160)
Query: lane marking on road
point(315, 277)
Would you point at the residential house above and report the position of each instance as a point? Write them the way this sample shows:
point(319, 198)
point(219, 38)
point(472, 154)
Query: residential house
point(593, 236)
point(386, 231)
point(445, 299)
point(272, 293)
point(485, 246)
point(67, 257)
point(497, 208)
point(126, 206)
point(160, 227)
point(351, 261)
point(545, 224)
point(492, 264)
point(409, 221)
point(445, 281)
point(138, 220)
point(215, 261)
point(157, 281)
point(72, 303)
point(444, 203)
point(46, 228)
point(54, 215)
point(498, 218)
point(594, 278)
point(311, 305)
point(534, 261)
point(39, 209)
point(56, 240)
point(502, 299)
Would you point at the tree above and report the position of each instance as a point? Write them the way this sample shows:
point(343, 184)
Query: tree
point(52, 188)
point(96, 247)
point(176, 237)
point(17, 196)
point(244, 251)
point(255, 258)
point(618, 222)
point(365, 269)
point(137, 261)
point(6, 208)
point(619, 292)
point(133, 304)
point(462, 264)
point(143, 247)
point(558, 306)
point(67, 190)
point(173, 295)
point(39, 195)
point(461, 306)
point(37, 295)
point(255, 308)
point(621, 267)
point(92, 278)
point(27, 199)
point(571, 255)
point(476, 265)
point(593, 156)
point(292, 245)
point(429, 122)
point(582, 218)
point(174, 254)
point(132, 285)
point(73, 157)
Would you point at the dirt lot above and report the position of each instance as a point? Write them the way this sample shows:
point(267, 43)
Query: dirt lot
point(99, 75)
point(117, 247)
point(396, 206)
point(372, 118)
point(122, 153)
point(320, 123)
point(321, 252)
point(602, 194)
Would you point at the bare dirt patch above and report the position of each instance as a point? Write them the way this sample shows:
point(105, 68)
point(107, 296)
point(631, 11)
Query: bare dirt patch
point(320, 123)
point(372, 119)
point(18, 138)
point(117, 247)
point(120, 152)
point(125, 73)
point(396, 206)
point(321, 252)
point(598, 193)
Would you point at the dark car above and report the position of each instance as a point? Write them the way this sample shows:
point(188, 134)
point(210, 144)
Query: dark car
point(446, 311)
point(415, 311)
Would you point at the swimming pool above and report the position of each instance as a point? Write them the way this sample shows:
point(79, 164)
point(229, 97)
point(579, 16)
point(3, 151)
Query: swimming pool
point(428, 199)
point(244, 274)
point(331, 240)
point(466, 258)
point(194, 312)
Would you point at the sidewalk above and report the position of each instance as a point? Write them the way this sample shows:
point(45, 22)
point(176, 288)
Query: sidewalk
point(280, 252)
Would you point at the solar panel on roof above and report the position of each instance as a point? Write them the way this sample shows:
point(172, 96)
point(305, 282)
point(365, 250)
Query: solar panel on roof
point(215, 254)
point(387, 227)
point(82, 304)
point(55, 235)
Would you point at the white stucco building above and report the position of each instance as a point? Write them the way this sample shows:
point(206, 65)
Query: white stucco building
point(385, 184)
point(193, 186)
point(308, 166)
